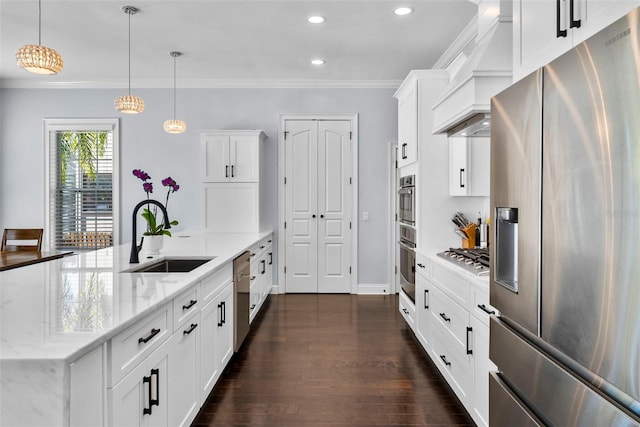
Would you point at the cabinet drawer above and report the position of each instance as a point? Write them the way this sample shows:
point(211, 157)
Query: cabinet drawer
point(452, 284)
point(408, 311)
point(455, 368)
point(423, 266)
point(132, 345)
point(481, 307)
point(451, 319)
point(185, 305)
point(211, 285)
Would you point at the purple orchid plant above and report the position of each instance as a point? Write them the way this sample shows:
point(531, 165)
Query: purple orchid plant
point(153, 228)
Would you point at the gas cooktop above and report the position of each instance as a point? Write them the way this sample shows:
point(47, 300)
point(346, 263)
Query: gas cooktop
point(475, 261)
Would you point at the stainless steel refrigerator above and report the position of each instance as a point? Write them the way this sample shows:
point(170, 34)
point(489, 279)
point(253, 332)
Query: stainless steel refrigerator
point(565, 258)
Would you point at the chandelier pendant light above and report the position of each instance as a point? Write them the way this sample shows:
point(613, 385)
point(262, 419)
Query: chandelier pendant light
point(174, 125)
point(130, 104)
point(37, 58)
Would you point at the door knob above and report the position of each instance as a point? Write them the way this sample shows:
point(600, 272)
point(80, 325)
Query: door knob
point(321, 216)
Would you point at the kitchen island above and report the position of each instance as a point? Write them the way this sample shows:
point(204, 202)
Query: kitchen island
point(65, 323)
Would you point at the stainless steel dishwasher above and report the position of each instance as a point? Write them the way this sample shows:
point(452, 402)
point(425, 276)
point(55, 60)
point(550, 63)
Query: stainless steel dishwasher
point(241, 288)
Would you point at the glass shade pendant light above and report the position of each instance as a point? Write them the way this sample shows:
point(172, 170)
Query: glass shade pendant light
point(130, 104)
point(37, 58)
point(174, 125)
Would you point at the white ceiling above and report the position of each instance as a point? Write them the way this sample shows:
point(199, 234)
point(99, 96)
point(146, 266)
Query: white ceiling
point(229, 42)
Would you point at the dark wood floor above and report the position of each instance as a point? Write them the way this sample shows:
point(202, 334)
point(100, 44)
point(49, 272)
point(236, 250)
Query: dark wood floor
point(338, 360)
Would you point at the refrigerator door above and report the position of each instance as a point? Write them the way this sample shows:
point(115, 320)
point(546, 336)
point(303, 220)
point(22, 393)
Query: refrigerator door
point(516, 117)
point(591, 208)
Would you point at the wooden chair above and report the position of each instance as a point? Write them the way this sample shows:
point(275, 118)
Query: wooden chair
point(24, 237)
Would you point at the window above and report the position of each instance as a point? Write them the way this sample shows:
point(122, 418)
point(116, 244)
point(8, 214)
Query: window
point(82, 173)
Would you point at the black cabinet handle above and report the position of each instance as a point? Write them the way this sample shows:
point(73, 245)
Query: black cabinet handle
point(461, 178)
point(153, 333)
point(252, 254)
point(420, 265)
point(147, 380)
point(224, 312)
point(404, 151)
point(426, 299)
point(220, 314)
point(191, 329)
point(444, 359)
point(232, 175)
point(154, 398)
point(485, 309)
point(191, 304)
point(313, 216)
point(270, 258)
point(253, 306)
point(469, 329)
point(252, 278)
point(573, 23)
point(264, 266)
point(226, 171)
point(262, 247)
point(444, 316)
point(321, 216)
point(269, 241)
point(405, 311)
point(559, 32)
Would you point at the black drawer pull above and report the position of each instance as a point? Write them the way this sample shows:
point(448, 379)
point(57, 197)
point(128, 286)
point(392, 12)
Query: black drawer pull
point(191, 304)
point(188, 331)
point(405, 311)
point(252, 254)
point(153, 333)
point(426, 299)
point(469, 329)
point(147, 411)
point(264, 266)
point(154, 395)
point(220, 314)
point(252, 278)
point(226, 171)
point(444, 359)
point(420, 265)
point(485, 309)
point(224, 312)
point(444, 316)
point(253, 306)
point(270, 258)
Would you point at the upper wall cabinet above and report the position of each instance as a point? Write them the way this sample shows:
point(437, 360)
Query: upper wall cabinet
point(544, 29)
point(469, 166)
point(231, 156)
point(407, 96)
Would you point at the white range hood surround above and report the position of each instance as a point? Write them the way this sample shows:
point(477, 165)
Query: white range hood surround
point(487, 71)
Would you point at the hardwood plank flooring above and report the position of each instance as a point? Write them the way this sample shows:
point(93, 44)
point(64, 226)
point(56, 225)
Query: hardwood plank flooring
point(331, 360)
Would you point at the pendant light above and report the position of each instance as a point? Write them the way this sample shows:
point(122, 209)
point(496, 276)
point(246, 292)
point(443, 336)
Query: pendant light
point(37, 58)
point(130, 104)
point(174, 125)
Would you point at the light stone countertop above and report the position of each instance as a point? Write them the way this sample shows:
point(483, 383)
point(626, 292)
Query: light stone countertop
point(479, 281)
point(62, 309)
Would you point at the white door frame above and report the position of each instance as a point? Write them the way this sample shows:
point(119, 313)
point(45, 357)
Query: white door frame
point(393, 222)
point(281, 287)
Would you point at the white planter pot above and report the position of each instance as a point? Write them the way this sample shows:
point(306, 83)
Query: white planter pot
point(152, 244)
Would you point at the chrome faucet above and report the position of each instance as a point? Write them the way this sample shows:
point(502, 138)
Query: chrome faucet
point(133, 259)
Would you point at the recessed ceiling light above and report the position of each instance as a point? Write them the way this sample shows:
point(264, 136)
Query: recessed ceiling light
point(318, 61)
point(403, 11)
point(316, 19)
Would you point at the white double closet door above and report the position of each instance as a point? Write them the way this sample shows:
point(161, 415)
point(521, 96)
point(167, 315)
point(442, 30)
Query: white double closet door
point(318, 204)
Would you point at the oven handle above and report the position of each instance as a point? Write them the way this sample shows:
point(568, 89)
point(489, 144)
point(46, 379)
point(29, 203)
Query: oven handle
point(404, 245)
point(405, 191)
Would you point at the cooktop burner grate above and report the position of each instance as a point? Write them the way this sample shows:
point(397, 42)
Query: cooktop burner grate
point(475, 260)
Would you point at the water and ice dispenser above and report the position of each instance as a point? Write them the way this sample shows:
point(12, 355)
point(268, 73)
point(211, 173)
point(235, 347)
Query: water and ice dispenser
point(506, 248)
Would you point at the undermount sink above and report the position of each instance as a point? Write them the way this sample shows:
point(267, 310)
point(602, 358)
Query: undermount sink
point(172, 265)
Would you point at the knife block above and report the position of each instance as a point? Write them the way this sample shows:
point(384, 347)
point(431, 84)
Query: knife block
point(470, 231)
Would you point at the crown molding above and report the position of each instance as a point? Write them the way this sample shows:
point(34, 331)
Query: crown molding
point(200, 84)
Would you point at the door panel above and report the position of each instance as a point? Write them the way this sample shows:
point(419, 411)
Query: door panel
point(244, 158)
point(334, 177)
point(301, 204)
point(216, 160)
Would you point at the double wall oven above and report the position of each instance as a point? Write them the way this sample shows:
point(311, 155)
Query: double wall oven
point(407, 235)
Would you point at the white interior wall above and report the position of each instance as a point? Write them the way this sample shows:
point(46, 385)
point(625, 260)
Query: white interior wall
point(144, 145)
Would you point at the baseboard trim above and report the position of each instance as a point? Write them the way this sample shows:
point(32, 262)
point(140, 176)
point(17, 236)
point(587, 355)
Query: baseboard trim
point(373, 288)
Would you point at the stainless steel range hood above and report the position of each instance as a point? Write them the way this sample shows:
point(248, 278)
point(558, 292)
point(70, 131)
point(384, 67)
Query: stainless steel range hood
point(463, 109)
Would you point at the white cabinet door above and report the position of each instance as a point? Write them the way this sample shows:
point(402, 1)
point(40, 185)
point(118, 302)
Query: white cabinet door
point(244, 159)
point(481, 368)
point(458, 167)
point(140, 398)
point(232, 207)
point(210, 316)
point(216, 167)
point(224, 338)
point(408, 123)
point(423, 311)
point(184, 375)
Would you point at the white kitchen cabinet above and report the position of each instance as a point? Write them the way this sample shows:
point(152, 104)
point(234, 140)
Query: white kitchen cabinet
point(469, 166)
point(231, 208)
point(538, 29)
point(423, 302)
point(184, 372)
point(140, 398)
point(231, 156)
point(481, 368)
point(407, 96)
point(261, 273)
point(224, 332)
point(407, 309)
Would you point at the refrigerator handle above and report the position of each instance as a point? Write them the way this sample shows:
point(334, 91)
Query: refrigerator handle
point(573, 23)
point(559, 32)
